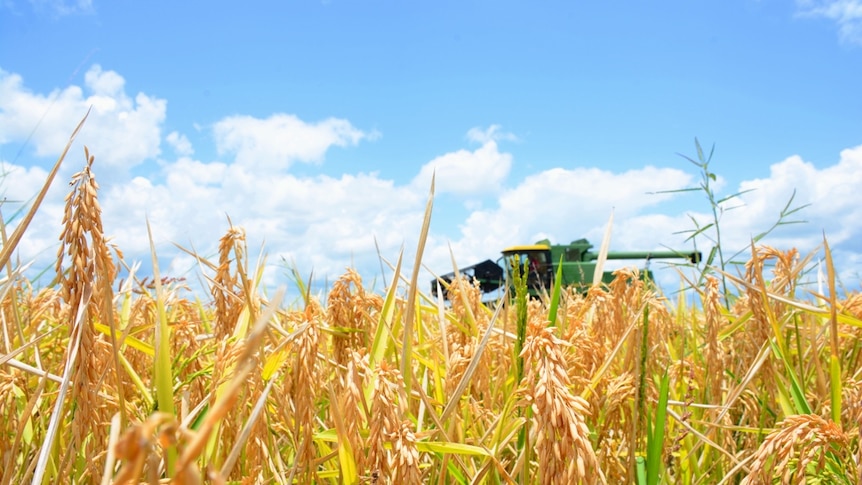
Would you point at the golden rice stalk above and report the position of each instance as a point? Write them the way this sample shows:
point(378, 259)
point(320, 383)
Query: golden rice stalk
point(91, 265)
point(351, 382)
point(799, 441)
point(613, 404)
point(225, 290)
point(713, 353)
point(351, 315)
point(304, 385)
point(852, 411)
point(186, 347)
point(385, 420)
point(460, 355)
point(187, 472)
point(466, 299)
point(11, 382)
point(562, 439)
point(760, 329)
point(785, 271)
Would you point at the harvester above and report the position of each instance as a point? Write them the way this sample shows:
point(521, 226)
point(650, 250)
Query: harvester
point(541, 260)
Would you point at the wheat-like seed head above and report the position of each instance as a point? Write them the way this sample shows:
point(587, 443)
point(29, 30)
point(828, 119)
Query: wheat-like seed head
point(388, 406)
point(562, 439)
point(306, 385)
point(798, 441)
point(466, 297)
point(92, 269)
point(350, 385)
point(225, 291)
point(612, 401)
point(714, 354)
point(187, 349)
point(352, 315)
point(404, 460)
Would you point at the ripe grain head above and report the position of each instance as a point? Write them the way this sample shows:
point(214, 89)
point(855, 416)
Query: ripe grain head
point(797, 442)
point(562, 438)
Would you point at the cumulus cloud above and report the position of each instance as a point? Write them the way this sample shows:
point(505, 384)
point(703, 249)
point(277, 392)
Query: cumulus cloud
point(180, 143)
point(562, 205)
point(326, 223)
point(846, 13)
point(320, 222)
point(126, 130)
point(465, 172)
point(831, 194)
point(280, 140)
point(492, 133)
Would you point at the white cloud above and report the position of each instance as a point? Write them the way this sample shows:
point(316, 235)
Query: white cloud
point(122, 131)
point(846, 13)
point(832, 193)
point(278, 141)
point(562, 205)
point(467, 173)
point(180, 143)
point(492, 133)
point(322, 223)
point(327, 223)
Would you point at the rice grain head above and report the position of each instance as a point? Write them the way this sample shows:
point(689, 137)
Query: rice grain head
point(797, 442)
point(351, 383)
point(404, 460)
point(225, 290)
point(714, 353)
point(562, 438)
point(91, 266)
point(352, 315)
point(385, 421)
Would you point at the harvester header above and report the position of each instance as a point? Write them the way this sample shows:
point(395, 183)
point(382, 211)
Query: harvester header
point(542, 259)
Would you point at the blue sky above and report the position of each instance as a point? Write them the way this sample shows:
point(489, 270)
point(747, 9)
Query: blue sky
point(316, 125)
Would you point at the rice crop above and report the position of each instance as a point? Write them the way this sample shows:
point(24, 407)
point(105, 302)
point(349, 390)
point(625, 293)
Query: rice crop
point(137, 381)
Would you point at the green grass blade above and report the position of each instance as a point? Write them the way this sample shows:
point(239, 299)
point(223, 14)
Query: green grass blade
point(382, 340)
point(163, 373)
point(641, 470)
point(800, 403)
point(655, 440)
point(451, 448)
point(835, 387)
point(128, 340)
point(834, 364)
point(555, 295)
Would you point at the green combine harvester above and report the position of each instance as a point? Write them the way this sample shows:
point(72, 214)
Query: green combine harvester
point(541, 261)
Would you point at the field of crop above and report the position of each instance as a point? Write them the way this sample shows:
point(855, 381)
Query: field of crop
point(134, 381)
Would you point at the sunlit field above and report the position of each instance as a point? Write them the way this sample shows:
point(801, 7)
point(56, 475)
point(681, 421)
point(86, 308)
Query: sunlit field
point(743, 376)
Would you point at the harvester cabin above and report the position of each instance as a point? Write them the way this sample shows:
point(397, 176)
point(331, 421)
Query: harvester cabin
point(536, 258)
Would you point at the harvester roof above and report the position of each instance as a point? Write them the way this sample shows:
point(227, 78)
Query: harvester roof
point(526, 247)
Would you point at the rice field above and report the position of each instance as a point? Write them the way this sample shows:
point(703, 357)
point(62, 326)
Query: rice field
point(105, 380)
